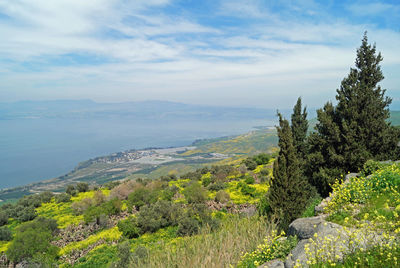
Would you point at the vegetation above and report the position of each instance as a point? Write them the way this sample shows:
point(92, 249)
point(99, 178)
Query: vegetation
point(368, 208)
point(354, 130)
point(289, 192)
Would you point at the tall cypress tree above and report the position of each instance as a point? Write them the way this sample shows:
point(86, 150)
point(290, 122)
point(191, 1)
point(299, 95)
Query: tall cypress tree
point(289, 191)
point(299, 128)
point(356, 129)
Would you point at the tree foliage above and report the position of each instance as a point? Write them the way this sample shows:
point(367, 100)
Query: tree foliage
point(354, 130)
point(299, 128)
point(289, 191)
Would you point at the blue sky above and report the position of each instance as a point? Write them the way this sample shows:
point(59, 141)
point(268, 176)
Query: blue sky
point(219, 52)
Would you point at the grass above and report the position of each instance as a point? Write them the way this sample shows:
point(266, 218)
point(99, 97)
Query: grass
point(211, 249)
point(309, 211)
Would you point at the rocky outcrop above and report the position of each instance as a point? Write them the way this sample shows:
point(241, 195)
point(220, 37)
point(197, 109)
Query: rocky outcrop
point(273, 264)
point(305, 228)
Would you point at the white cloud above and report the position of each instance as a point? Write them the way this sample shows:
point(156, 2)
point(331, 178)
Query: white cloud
point(368, 9)
point(175, 57)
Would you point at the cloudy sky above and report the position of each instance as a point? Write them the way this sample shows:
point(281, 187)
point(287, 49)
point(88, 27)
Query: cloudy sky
point(219, 52)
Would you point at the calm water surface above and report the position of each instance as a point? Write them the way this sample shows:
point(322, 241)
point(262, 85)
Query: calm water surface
point(36, 149)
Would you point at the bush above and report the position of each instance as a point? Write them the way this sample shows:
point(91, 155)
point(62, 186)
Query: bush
point(124, 255)
point(217, 186)
point(129, 228)
point(94, 214)
point(188, 226)
point(159, 215)
point(33, 200)
point(123, 190)
point(261, 159)
point(250, 163)
point(5, 234)
point(222, 197)
point(142, 196)
point(249, 180)
point(3, 218)
point(139, 254)
point(246, 189)
point(195, 193)
point(206, 181)
point(112, 207)
point(62, 198)
point(111, 184)
point(98, 198)
point(24, 214)
point(82, 187)
point(32, 241)
point(82, 206)
point(71, 190)
point(46, 197)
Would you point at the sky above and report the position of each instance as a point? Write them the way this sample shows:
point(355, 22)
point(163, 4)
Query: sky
point(249, 53)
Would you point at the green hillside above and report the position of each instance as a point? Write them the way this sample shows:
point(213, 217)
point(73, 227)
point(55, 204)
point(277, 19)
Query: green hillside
point(89, 228)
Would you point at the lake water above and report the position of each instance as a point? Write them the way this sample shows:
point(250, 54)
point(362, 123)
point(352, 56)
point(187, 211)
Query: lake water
point(36, 149)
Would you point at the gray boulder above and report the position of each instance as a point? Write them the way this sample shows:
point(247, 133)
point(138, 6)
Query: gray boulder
point(304, 228)
point(297, 254)
point(273, 264)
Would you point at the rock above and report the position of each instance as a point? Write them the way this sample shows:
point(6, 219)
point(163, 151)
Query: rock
point(304, 228)
point(349, 176)
point(273, 264)
point(297, 255)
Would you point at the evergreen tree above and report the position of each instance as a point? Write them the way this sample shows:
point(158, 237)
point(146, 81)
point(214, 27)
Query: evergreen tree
point(289, 191)
point(299, 128)
point(356, 129)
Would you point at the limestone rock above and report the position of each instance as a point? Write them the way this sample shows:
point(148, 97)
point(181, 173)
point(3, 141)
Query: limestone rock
point(273, 264)
point(297, 255)
point(304, 228)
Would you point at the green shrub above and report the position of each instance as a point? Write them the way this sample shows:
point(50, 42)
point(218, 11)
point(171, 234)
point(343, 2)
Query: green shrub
point(33, 200)
point(24, 214)
point(94, 214)
point(222, 197)
point(129, 228)
point(82, 187)
point(112, 207)
point(3, 218)
point(46, 197)
point(139, 254)
point(217, 186)
point(159, 215)
point(206, 181)
point(5, 234)
point(62, 198)
point(142, 196)
point(124, 255)
point(250, 163)
point(246, 189)
point(370, 166)
point(32, 241)
point(188, 226)
point(71, 190)
point(195, 193)
point(249, 180)
point(261, 159)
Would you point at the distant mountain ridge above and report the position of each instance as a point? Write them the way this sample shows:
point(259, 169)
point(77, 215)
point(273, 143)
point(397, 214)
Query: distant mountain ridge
point(143, 109)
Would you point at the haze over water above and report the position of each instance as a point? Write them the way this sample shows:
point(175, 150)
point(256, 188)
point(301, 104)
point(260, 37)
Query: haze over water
point(34, 149)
